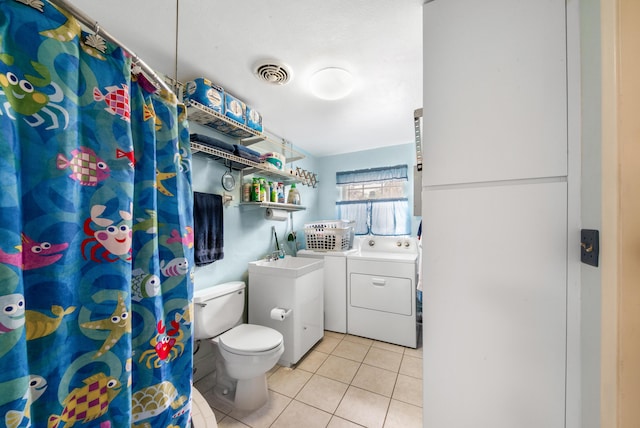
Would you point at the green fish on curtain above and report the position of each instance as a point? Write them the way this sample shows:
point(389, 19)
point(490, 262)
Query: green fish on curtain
point(96, 232)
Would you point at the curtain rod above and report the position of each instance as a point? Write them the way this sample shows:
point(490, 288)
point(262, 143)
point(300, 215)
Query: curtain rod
point(92, 24)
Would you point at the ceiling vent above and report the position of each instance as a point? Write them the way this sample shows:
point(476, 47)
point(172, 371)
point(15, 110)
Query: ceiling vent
point(273, 72)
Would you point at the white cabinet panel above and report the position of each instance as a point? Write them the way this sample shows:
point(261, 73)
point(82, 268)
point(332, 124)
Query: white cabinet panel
point(494, 278)
point(495, 93)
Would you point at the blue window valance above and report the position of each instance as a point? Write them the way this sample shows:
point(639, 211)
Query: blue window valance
point(398, 172)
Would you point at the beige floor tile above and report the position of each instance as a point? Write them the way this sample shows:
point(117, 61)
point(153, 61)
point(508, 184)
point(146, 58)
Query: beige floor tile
point(312, 361)
point(409, 390)
point(363, 407)
point(206, 383)
point(327, 344)
point(323, 393)
point(375, 379)
point(337, 335)
point(389, 347)
point(411, 366)
point(417, 353)
point(265, 415)
point(298, 415)
point(229, 422)
point(218, 414)
point(337, 422)
point(384, 359)
point(288, 381)
point(273, 370)
point(403, 415)
point(351, 350)
point(216, 403)
point(358, 339)
point(338, 368)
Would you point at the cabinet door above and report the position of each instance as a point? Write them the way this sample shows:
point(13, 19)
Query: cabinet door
point(495, 92)
point(494, 306)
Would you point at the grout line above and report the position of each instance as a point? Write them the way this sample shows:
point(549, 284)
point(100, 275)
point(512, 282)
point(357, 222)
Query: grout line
point(348, 384)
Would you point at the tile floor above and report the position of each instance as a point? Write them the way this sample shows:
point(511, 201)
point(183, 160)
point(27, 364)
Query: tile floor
point(344, 381)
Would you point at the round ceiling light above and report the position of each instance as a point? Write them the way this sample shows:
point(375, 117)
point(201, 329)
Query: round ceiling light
point(331, 83)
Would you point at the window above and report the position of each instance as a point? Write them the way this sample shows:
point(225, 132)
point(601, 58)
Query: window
point(376, 200)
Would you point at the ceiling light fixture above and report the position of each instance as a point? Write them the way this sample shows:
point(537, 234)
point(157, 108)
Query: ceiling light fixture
point(331, 83)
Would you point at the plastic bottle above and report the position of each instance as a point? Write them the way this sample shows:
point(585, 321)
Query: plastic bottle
point(255, 191)
point(263, 192)
point(294, 195)
point(281, 193)
point(273, 197)
point(246, 191)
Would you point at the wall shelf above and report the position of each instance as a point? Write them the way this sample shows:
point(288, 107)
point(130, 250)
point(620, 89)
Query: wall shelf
point(275, 206)
point(250, 167)
point(248, 137)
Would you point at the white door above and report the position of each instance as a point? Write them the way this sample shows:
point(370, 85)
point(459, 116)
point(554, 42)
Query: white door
point(494, 306)
point(495, 213)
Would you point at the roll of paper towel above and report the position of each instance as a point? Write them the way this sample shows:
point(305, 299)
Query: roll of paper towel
point(279, 215)
point(279, 314)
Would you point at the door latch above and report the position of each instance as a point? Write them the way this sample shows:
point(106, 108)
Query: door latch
point(590, 246)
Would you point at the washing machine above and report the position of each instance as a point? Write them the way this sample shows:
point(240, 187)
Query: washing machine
point(381, 289)
point(335, 287)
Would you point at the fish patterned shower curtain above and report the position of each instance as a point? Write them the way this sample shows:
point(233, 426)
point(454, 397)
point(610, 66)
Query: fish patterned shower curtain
point(96, 235)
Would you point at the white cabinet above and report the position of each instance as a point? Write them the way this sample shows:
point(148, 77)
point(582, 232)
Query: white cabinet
point(495, 91)
point(302, 295)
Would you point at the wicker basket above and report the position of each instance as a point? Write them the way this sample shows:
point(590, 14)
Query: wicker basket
point(330, 235)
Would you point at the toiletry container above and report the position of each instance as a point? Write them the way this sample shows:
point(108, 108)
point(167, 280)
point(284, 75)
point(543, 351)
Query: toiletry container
point(294, 195)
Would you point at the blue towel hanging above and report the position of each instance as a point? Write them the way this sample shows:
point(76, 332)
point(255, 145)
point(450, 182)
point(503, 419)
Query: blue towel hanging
point(208, 228)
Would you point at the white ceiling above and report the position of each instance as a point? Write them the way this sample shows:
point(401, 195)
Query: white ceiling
point(379, 41)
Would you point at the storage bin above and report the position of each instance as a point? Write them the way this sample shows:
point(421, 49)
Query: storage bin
point(329, 235)
point(206, 93)
point(254, 119)
point(235, 108)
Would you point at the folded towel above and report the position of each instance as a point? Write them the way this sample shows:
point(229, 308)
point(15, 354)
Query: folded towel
point(208, 228)
point(246, 153)
point(212, 142)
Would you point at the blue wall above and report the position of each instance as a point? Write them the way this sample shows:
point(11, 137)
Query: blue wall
point(328, 193)
point(248, 235)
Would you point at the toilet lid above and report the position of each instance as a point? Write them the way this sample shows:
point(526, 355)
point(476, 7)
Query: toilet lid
point(250, 338)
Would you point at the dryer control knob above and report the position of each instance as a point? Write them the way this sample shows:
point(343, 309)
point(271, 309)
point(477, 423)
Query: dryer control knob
point(407, 244)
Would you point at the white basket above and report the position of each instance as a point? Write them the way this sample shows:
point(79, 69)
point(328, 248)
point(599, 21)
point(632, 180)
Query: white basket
point(329, 235)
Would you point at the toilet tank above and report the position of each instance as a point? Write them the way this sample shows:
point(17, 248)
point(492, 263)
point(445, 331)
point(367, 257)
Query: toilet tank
point(217, 309)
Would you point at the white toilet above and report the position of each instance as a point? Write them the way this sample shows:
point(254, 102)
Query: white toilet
point(245, 352)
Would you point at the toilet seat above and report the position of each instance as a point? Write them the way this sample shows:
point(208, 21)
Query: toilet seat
point(250, 339)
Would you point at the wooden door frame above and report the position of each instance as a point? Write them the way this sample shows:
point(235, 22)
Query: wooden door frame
point(620, 238)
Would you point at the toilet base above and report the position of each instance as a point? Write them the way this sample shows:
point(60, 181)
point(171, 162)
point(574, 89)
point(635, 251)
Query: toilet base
point(251, 394)
point(241, 394)
point(246, 394)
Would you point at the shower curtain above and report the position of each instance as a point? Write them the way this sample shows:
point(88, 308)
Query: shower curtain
point(96, 234)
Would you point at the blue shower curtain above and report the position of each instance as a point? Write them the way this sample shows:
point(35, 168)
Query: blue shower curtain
point(96, 233)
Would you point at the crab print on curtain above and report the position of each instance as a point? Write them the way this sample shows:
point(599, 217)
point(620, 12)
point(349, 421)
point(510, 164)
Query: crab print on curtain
point(96, 232)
